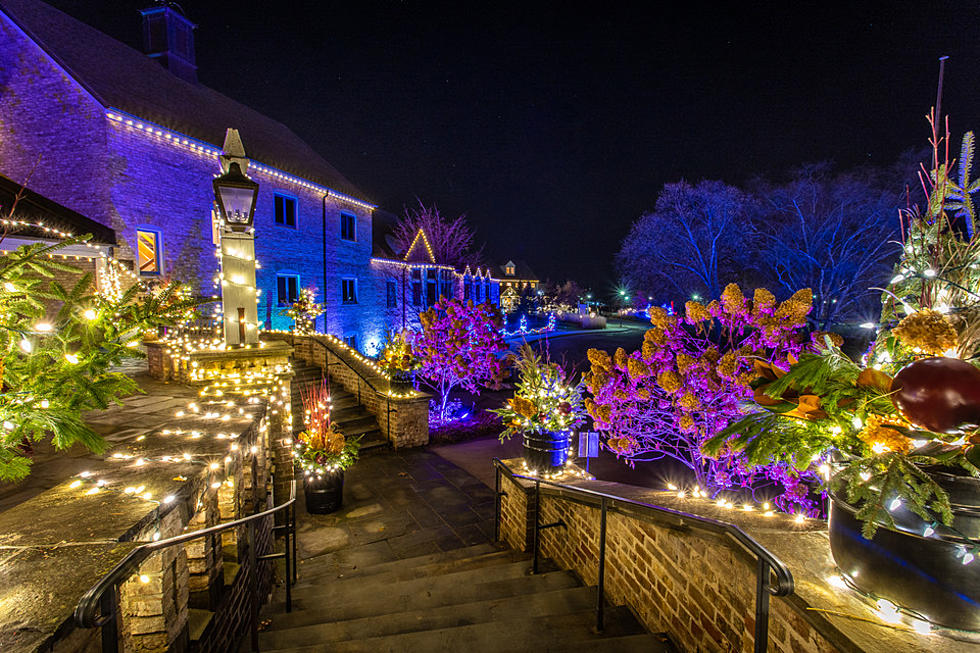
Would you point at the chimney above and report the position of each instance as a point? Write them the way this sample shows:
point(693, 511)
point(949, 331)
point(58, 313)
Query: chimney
point(168, 37)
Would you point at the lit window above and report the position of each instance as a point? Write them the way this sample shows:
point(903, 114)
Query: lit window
point(392, 291)
point(287, 287)
point(348, 227)
point(510, 270)
point(148, 246)
point(285, 210)
point(348, 291)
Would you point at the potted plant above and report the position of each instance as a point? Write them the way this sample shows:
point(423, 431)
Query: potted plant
point(544, 409)
point(323, 453)
point(399, 362)
point(899, 428)
point(304, 311)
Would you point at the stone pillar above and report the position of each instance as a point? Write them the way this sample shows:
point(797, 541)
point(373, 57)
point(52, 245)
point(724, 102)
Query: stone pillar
point(154, 601)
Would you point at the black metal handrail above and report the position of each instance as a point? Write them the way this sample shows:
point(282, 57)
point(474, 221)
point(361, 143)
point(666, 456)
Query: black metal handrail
point(98, 606)
point(767, 564)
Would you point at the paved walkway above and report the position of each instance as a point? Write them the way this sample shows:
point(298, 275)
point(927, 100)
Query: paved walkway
point(139, 414)
point(399, 505)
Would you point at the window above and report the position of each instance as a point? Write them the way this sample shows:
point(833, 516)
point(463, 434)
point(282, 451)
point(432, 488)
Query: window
point(477, 289)
point(416, 287)
point(287, 288)
point(466, 290)
point(392, 289)
point(351, 341)
point(348, 291)
point(348, 227)
point(431, 287)
point(148, 249)
point(285, 210)
point(509, 271)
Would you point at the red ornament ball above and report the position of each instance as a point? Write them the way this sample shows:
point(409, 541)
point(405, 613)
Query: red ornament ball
point(938, 394)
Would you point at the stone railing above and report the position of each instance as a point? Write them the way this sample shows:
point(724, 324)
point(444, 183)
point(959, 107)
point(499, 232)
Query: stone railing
point(699, 588)
point(402, 416)
point(210, 464)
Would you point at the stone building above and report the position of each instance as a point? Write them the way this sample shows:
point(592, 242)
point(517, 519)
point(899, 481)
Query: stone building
point(131, 141)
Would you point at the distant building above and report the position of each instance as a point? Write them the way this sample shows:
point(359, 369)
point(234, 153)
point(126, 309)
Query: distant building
point(516, 280)
point(130, 140)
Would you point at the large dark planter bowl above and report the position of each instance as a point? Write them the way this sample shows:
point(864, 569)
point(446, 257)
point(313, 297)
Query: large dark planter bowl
point(546, 452)
point(324, 494)
point(402, 382)
point(922, 574)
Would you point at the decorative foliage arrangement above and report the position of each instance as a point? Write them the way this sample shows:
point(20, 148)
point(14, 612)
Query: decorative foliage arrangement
point(55, 367)
point(396, 357)
point(688, 381)
point(912, 403)
point(544, 400)
point(459, 346)
point(304, 311)
point(320, 448)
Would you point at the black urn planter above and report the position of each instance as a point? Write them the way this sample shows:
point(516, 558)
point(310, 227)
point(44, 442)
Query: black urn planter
point(546, 452)
point(401, 382)
point(324, 493)
point(925, 575)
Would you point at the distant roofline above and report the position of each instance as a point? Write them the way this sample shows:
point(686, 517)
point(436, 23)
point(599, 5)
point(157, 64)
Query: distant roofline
point(177, 139)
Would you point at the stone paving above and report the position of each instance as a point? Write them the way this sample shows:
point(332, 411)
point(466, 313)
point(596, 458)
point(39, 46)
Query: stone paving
point(399, 505)
point(139, 414)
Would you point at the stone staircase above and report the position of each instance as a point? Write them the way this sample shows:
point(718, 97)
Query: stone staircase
point(351, 418)
point(475, 599)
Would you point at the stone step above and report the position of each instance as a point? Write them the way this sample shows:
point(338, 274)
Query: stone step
point(542, 604)
point(372, 441)
point(353, 563)
point(325, 607)
point(375, 585)
point(435, 568)
point(356, 424)
point(539, 634)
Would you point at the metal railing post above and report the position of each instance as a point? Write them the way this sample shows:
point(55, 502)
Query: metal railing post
point(293, 527)
point(110, 629)
point(762, 607)
point(600, 586)
point(254, 589)
point(496, 504)
point(289, 572)
point(537, 520)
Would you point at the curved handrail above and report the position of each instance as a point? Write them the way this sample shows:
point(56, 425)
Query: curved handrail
point(784, 585)
point(87, 608)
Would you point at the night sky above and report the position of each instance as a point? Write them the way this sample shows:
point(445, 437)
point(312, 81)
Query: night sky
point(554, 127)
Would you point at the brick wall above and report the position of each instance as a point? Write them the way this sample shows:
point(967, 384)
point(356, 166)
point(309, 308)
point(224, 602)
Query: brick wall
point(690, 585)
point(52, 132)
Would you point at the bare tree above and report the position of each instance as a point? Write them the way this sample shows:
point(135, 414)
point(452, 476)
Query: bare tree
point(451, 239)
point(832, 233)
point(690, 243)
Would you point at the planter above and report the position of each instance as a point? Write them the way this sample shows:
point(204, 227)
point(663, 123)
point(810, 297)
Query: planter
point(402, 382)
point(922, 574)
point(324, 494)
point(546, 452)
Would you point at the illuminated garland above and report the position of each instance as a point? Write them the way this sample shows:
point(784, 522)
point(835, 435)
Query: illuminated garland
point(522, 329)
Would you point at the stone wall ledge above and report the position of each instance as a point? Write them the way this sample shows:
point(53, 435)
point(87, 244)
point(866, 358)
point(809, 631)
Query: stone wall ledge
point(55, 546)
point(823, 616)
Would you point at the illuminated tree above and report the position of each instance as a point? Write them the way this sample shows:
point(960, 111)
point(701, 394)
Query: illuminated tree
point(55, 367)
point(833, 233)
point(689, 243)
point(451, 240)
point(459, 346)
point(688, 382)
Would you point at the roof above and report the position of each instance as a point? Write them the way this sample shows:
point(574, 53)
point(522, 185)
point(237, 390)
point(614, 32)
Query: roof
point(121, 77)
point(521, 271)
point(33, 208)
